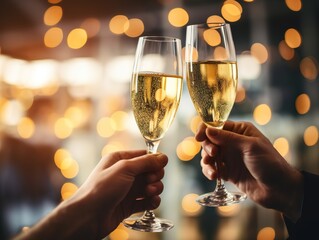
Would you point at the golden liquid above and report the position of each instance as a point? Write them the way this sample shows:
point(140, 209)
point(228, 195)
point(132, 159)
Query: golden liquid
point(212, 87)
point(155, 99)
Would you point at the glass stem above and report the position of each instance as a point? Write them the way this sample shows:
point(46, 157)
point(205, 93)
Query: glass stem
point(220, 186)
point(149, 216)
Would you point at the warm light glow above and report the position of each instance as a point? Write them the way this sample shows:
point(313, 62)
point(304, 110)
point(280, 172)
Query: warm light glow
point(220, 53)
point(187, 149)
point(112, 147)
point(294, 5)
point(54, 1)
point(240, 95)
point(189, 205)
point(248, 67)
point(106, 127)
point(53, 37)
point(92, 26)
point(60, 156)
point(303, 103)
point(311, 136)
point(178, 17)
point(194, 124)
point(266, 233)
point(76, 115)
point(135, 27)
point(212, 37)
point(262, 114)
point(259, 51)
point(282, 146)
point(228, 211)
point(77, 38)
point(231, 10)
point(215, 19)
point(67, 190)
point(309, 68)
point(293, 38)
point(121, 119)
point(12, 112)
point(71, 170)
point(26, 127)
point(119, 234)
point(52, 15)
point(118, 24)
point(285, 51)
point(63, 128)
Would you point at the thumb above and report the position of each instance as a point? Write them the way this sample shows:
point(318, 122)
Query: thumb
point(146, 163)
point(222, 137)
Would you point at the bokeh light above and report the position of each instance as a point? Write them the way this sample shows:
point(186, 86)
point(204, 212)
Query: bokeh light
point(294, 5)
point(282, 146)
point(63, 128)
point(231, 10)
point(212, 37)
point(262, 114)
point(215, 19)
point(178, 17)
point(260, 52)
point(77, 38)
point(266, 233)
point(118, 24)
point(302, 103)
point(92, 26)
point(189, 205)
point(67, 190)
point(285, 51)
point(309, 68)
point(52, 15)
point(26, 127)
point(311, 136)
point(135, 27)
point(293, 38)
point(228, 211)
point(187, 149)
point(106, 127)
point(53, 37)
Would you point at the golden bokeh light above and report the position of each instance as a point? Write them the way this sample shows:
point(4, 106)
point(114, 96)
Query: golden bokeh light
point(260, 52)
point(309, 68)
point(26, 127)
point(212, 37)
point(118, 24)
point(178, 17)
point(195, 122)
point(240, 95)
point(53, 37)
point(119, 234)
point(302, 103)
point(220, 53)
point(67, 190)
point(77, 38)
point(285, 51)
point(59, 157)
point(189, 205)
point(106, 127)
point(135, 27)
point(282, 146)
point(262, 114)
point(293, 38)
point(52, 15)
point(121, 119)
point(112, 147)
point(63, 128)
point(187, 149)
point(231, 10)
point(92, 26)
point(311, 136)
point(294, 5)
point(228, 211)
point(76, 115)
point(215, 19)
point(54, 1)
point(266, 233)
point(71, 170)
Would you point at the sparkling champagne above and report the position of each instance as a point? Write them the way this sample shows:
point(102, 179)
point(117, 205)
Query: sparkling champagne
point(212, 87)
point(155, 99)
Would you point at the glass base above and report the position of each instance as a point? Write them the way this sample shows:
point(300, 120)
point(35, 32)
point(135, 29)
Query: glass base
point(146, 225)
point(216, 199)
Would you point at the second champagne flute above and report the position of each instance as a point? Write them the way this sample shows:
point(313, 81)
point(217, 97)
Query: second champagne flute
point(156, 89)
point(211, 70)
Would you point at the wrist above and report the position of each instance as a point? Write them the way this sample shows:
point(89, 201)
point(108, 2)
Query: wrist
point(292, 205)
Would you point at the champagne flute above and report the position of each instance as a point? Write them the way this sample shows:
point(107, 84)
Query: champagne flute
point(156, 89)
point(211, 74)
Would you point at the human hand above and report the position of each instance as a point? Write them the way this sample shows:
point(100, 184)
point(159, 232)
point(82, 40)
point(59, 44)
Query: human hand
point(249, 160)
point(121, 184)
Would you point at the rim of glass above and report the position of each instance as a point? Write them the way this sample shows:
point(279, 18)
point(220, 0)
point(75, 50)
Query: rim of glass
point(209, 24)
point(160, 38)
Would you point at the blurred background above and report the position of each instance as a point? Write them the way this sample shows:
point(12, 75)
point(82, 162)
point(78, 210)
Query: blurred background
point(65, 69)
